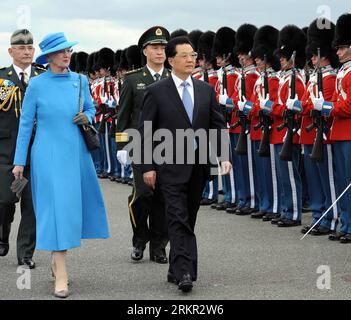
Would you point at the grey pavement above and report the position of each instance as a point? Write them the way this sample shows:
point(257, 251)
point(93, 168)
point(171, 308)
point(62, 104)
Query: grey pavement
point(239, 258)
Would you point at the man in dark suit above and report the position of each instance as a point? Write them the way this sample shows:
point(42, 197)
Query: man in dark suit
point(181, 102)
point(144, 203)
point(14, 82)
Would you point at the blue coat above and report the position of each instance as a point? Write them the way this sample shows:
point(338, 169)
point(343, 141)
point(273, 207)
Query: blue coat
point(66, 194)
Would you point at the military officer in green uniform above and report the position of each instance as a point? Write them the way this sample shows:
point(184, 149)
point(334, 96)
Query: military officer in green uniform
point(144, 203)
point(13, 83)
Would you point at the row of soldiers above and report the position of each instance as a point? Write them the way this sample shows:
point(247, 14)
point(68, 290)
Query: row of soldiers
point(286, 97)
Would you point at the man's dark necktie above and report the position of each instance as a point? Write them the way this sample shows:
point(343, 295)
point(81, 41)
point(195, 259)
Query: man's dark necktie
point(24, 79)
point(157, 77)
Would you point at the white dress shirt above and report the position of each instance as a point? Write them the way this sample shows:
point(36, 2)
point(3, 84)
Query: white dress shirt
point(178, 83)
point(153, 72)
point(19, 70)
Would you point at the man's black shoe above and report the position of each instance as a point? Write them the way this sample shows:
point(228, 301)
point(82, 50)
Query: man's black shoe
point(207, 202)
point(224, 206)
point(4, 249)
point(285, 223)
point(270, 216)
point(185, 284)
point(232, 209)
point(28, 262)
point(320, 231)
point(257, 215)
point(305, 229)
point(137, 253)
point(159, 259)
point(346, 238)
point(171, 278)
point(336, 236)
point(245, 211)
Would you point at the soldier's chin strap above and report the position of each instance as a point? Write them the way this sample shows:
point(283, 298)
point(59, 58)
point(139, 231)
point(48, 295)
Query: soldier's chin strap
point(348, 187)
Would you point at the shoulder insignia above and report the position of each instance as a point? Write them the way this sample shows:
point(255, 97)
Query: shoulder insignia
point(10, 73)
point(133, 71)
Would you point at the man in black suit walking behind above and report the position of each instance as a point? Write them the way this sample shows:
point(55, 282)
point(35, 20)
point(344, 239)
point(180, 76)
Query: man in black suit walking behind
point(181, 102)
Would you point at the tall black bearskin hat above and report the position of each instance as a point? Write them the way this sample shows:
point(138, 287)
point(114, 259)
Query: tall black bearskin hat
point(117, 60)
point(320, 34)
point(224, 42)
point(179, 33)
point(82, 61)
point(96, 66)
point(73, 62)
point(194, 37)
point(265, 42)
point(205, 46)
point(133, 57)
point(343, 31)
point(90, 63)
point(123, 64)
point(244, 39)
point(106, 58)
point(292, 38)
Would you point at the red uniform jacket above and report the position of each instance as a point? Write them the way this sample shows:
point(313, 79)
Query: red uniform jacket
point(329, 78)
point(341, 129)
point(251, 76)
point(259, 94)
point(279, 105)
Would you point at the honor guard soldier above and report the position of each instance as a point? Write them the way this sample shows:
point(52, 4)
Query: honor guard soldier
point(194, 37)
point(319, 169)
point(144, 203)
point(222, 49)
point(339, 108)
point(240, 126)
point(284, 111)
point(207, 63)
point(106, 102)
point(267, 84)
point(13, 84)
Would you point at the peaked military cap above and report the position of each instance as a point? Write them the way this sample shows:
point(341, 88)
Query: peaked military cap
point(21, 37)
point(154, 35)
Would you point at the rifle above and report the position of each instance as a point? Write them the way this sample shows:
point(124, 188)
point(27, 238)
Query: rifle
point(265, 120)
point(103, 108)
point(241, 147)
point(289, 119)
point(318, 120)
point(224, 90)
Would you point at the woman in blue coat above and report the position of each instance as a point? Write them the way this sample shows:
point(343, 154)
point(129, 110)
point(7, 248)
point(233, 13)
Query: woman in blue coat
point(66, 195)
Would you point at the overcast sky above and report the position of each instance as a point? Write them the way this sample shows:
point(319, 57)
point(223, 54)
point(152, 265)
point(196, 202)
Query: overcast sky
point(118, 24)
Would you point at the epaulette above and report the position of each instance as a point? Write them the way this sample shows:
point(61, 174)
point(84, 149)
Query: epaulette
point(39, 66)
point(133, 71)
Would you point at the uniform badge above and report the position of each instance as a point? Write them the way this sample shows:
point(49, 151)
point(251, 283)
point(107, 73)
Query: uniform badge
point(141, 86)
point(7, 91)
point(159, 32)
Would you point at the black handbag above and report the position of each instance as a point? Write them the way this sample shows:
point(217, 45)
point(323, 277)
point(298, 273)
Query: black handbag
point(90, 134)
point(6, 179)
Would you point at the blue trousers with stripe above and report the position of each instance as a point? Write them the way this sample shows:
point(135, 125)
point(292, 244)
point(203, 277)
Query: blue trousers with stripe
point(263, 180)
point(342, 156)
point(244, 175)
point(211, 190)
point(321, 187)
point(290, 183)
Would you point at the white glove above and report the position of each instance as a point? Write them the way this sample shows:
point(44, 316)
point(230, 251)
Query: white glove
point(318, 102)
point(294, 104)
point(223, 98)
point(266, 105)
point(245, 106)
point(122, 156)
